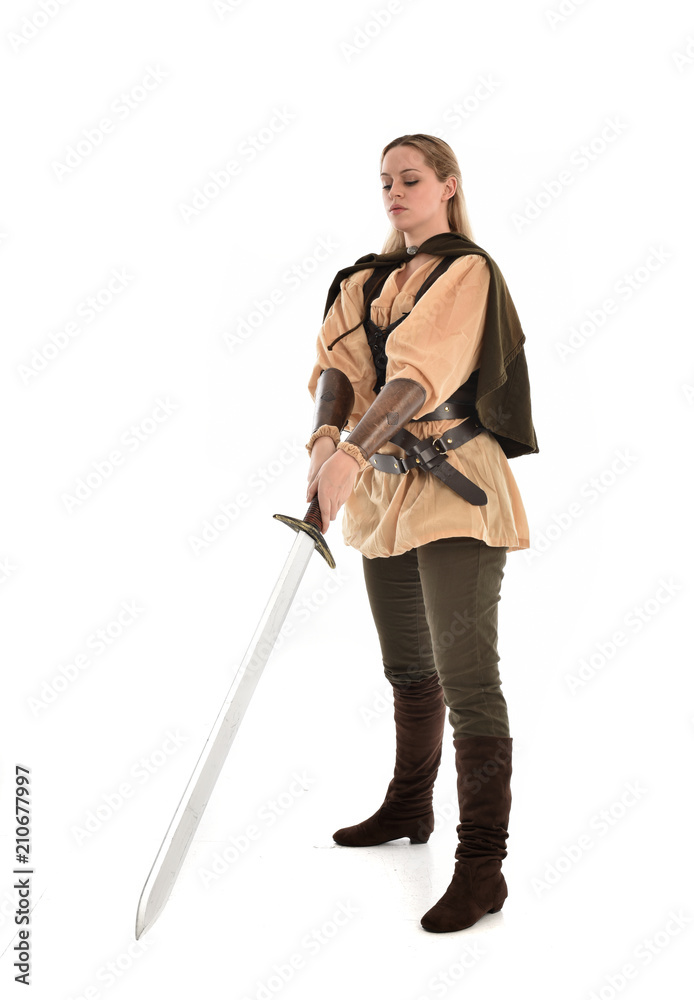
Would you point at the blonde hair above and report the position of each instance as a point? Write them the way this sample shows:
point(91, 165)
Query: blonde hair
point(440, 157)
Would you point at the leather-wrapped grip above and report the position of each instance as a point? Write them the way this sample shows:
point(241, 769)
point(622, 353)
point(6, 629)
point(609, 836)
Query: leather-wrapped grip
point(334, 399)
point(396, 403)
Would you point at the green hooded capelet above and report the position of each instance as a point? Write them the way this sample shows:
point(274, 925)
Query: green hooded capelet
point(503, 390)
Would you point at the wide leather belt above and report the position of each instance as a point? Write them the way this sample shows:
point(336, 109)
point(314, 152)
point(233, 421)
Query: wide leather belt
point(429, 453)
point(449, 411)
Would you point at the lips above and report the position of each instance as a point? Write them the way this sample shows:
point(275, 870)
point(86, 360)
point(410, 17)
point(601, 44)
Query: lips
point(398, 208)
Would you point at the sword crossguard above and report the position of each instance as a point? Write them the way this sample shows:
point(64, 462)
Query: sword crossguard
point(311, 523)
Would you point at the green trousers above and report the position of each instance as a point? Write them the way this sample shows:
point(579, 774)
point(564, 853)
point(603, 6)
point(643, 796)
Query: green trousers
point(435, 611)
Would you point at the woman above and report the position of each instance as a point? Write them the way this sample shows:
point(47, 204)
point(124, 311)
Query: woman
point(413, 339)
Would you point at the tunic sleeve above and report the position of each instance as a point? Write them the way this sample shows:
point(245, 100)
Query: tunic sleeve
point(439, 343)
point(344, 313)
point(350, 354)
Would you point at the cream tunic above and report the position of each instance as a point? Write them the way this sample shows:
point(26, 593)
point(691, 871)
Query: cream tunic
point(439, 345)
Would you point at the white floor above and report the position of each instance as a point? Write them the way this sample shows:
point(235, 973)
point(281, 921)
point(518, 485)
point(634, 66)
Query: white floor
point(266, 904)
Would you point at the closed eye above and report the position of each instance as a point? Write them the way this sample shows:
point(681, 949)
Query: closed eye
point(387, 187)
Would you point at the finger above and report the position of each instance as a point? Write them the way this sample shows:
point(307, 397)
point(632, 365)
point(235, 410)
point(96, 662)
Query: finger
point(331, 512)
point(324, 504)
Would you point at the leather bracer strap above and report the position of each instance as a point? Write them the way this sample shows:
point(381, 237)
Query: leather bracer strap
point(395, 405)
point(334, 399)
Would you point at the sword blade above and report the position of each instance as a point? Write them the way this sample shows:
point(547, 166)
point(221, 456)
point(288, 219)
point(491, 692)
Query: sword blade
point(181, 831)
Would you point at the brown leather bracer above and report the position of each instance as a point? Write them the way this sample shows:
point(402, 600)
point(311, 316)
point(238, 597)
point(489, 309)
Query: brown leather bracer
point(396, 403)
point(334, 399)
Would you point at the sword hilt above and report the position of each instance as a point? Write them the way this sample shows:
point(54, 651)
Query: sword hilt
point(312, 523)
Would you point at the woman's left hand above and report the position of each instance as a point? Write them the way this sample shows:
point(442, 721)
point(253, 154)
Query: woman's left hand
point(333, 482)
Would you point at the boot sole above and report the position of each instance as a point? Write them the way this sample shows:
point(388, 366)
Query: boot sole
point(380, 843)
point(439, 930)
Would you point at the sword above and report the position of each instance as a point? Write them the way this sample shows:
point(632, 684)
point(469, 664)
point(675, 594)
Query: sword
point(181, 831)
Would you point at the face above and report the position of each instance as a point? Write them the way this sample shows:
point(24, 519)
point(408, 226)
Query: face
point(408, 182)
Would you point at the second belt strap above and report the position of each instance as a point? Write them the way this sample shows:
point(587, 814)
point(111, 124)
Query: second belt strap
point(430, 454)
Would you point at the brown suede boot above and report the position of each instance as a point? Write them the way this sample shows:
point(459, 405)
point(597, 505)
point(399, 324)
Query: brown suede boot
point(483, 764)
point(420, 715)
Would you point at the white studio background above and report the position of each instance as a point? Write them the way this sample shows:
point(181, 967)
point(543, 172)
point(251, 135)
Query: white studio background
point(181, 393)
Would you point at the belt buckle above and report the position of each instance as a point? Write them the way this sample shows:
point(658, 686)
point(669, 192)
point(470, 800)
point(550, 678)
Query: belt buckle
point(439, 442)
